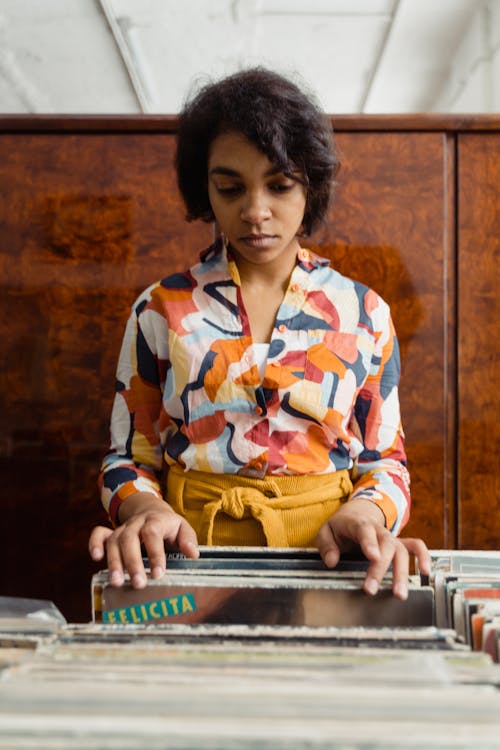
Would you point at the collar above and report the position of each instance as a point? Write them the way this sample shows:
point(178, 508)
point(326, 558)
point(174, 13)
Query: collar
point(307, 259)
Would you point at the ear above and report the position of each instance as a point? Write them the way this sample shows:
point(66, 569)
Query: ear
point(207, 216)
point(301, 231)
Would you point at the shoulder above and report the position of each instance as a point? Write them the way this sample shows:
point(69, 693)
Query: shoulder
point(345, 289)
point(173, 288)
point(162, 291)
point(178, 286)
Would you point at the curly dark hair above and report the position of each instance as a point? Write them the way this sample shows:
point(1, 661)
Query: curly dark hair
point(274, 114)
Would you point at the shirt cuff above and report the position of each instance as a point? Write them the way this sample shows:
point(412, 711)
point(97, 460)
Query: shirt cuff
point(141, 484)
point(382, 501)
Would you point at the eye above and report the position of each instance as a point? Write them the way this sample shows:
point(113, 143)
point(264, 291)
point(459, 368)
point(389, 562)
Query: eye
point(229, 190)
point(281, 187)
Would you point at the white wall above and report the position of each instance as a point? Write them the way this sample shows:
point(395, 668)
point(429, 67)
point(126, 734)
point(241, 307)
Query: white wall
point(473, 84)
point(129, 56)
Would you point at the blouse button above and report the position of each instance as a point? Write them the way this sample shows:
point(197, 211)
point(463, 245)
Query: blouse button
point(295, 287)
point(258, 410)
point(282, 328)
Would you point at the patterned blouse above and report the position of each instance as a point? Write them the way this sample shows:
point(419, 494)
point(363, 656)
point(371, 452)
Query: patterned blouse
point(189, 391)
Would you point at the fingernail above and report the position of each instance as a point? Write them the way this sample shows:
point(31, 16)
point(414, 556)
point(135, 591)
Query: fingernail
point(401, 590)
point(157, 571)
point(138, 581)
point(371, 586)
point(95, 553)
point(331, 559)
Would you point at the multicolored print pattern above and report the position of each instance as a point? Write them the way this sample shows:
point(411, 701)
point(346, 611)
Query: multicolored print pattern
point(189, 391)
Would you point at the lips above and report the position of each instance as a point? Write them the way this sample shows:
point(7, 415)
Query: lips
point(258, 240)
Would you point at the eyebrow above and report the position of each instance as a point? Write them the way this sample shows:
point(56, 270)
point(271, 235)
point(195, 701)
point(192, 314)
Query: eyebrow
point(226, 171)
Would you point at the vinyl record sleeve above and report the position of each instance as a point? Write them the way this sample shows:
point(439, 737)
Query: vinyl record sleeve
point(312, 600)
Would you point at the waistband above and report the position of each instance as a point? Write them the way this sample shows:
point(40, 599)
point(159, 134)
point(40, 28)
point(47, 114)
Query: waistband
point(288, 508)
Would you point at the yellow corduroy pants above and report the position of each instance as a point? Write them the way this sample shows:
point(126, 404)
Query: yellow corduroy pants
point(277, 511)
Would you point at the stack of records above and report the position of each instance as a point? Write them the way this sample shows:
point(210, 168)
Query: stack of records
point(249, 648)
point(29, 615)
point(467, 596)
point(261, 587)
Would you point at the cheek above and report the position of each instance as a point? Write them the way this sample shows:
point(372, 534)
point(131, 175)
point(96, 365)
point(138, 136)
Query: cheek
point(224, 218)
point(212, 198)
point(297, 210)
point(217, 208)
point(301, 201)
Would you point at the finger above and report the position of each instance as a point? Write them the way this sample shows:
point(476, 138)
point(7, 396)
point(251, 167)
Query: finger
point(152, 537)
point(130, 550)
point(368, 540)
point(115, 564)
point(400, 571)
point(327, 545)
point(380, 563)
point(97, 542)
point(418, 548)
point(185, 539)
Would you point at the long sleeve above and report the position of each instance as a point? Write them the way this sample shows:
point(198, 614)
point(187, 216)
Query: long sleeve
point(379, 471)
point(134, 461)
point(189, 391)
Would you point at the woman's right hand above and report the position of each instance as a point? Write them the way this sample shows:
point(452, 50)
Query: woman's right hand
point(148, 520)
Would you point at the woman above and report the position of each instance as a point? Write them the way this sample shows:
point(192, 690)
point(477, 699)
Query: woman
point(263, 381)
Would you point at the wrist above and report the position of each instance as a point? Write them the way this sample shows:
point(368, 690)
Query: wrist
point(139, 502)
point(370, 508)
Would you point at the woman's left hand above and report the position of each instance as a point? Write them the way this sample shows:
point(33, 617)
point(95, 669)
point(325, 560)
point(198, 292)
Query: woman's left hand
point(360, 522)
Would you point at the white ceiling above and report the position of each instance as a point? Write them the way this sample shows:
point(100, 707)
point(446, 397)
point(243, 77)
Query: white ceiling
point(129, 56)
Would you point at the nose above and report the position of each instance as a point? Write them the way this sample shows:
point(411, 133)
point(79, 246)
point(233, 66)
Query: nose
point(255, 209)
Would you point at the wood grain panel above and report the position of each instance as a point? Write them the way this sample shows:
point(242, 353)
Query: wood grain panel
point(388, 229)
point(86, 222)
point(478, 337)
point(89, 219)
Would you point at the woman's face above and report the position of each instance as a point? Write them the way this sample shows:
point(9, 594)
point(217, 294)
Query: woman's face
point(258, 208)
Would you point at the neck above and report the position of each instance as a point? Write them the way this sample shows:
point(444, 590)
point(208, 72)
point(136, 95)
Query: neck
point(272, 275)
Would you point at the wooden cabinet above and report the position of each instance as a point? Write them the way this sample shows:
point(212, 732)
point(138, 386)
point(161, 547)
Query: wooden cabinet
point(478, 321)
point(89, 216)
point(389, 228)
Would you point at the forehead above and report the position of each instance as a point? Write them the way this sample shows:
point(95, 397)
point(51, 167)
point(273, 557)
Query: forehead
point(233, 150)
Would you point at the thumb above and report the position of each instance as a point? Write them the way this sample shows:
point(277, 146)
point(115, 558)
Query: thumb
point(327, 546)
point(187, 541)
point(97, 541)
